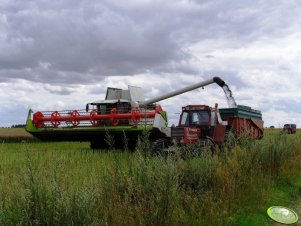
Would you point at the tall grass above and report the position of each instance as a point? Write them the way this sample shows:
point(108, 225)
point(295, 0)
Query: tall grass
point(68, 184)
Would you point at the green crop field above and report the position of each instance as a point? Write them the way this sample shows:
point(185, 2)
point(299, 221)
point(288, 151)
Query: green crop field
point(64, 183)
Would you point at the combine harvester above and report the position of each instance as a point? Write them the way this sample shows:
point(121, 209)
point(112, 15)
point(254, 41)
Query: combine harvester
point(125, 114)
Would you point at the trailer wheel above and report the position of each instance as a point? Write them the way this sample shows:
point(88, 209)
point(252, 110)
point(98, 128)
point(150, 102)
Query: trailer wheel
point(159, 145)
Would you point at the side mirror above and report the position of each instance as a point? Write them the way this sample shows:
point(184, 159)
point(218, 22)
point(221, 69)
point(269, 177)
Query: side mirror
point(87, 107)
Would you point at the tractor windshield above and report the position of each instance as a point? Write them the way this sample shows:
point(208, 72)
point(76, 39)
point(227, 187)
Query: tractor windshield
point(199, 118)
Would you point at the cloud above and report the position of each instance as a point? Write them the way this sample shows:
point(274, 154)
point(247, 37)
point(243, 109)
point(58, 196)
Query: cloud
point(63, 53)
point(61, 39)
point(82, 38)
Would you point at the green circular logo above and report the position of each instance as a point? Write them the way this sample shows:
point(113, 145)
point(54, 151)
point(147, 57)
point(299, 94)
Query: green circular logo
point(282, 214)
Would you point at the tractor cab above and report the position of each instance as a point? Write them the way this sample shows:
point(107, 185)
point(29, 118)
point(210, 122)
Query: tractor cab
point(195, 116)
point(199, 122)
point(198, 117)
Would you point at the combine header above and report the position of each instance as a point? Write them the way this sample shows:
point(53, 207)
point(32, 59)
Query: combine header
point(125, 114)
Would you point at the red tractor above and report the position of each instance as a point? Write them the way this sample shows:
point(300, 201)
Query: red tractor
point(208, 126)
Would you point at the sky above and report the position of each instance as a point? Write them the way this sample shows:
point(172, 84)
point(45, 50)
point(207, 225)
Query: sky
point(62, 54)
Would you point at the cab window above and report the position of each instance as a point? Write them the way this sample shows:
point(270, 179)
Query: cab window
point(200, 118)
point(184, 119)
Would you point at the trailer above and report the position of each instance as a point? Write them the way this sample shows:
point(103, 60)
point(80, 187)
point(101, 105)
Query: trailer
point(243, 119)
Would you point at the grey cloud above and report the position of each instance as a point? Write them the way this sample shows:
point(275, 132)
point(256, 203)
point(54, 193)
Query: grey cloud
point(230, 77)
point(43, 75)
point(99, 90)
point(13, 114)
point(84, 41)
point(289, 106)
point(58, 89)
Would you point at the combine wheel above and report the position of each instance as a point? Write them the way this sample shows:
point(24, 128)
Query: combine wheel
point(114, 121)
point(37, 119)
point(54, 119)
point(74, 114)
point(97, 144)
point(159, 145)
point(135, 119)
point(93, 122)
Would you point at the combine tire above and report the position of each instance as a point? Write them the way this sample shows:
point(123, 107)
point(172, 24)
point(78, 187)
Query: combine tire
point(159, 145)
point(97, 144)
